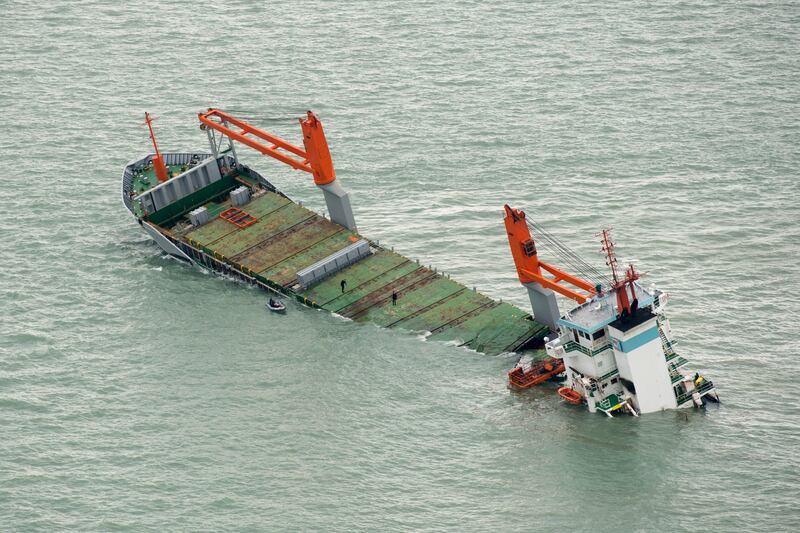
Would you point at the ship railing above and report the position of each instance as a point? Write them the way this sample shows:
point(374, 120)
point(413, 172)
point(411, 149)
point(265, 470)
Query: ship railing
point(704, 388)
point(522, 379)
point(555, 347)
point(664, 340)
point(683, 398)
point(669, 351)
point(127, 179)
point(608, 375)
point(573, 346)
point(676, 362)
point(610, 403)
point(676, 377)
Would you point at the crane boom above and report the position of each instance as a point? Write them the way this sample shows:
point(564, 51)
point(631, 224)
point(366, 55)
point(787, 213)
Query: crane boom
point(315, 159)
point(531, 269)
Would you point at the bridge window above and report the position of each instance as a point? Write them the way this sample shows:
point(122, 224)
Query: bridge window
point(599, 333)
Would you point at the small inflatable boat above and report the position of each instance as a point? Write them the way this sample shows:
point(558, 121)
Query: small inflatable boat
point(276, 306)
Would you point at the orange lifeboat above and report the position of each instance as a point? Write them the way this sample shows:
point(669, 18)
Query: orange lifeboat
point(570, 395)
point(538, 372)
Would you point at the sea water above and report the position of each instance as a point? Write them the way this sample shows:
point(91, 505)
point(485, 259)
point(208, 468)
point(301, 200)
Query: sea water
point(138, 393)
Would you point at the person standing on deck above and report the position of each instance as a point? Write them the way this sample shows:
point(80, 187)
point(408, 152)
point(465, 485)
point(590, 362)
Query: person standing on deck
point(394, 297)
point(343, 284)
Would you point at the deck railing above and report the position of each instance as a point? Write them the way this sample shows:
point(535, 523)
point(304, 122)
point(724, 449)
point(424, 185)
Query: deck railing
point(704, 388)
point(573, 346)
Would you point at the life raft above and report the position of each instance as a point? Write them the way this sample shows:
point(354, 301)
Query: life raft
point(570, 395)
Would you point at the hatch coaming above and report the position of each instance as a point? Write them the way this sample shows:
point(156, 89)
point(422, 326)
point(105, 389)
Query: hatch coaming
point(139, 176)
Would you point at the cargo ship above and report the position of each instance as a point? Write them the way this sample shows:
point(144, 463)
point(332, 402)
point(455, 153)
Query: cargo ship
point(614, 350)
point(212, 210)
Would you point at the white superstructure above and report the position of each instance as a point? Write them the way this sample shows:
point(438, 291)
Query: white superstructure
point(625, 363)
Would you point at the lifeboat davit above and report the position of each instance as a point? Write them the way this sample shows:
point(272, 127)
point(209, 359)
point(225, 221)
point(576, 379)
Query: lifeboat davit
point(570, 395)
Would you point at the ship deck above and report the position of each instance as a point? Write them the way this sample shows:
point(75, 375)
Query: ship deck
point(287, 238)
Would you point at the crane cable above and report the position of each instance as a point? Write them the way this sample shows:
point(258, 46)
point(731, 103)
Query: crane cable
point(568, 256)
point(565, 252)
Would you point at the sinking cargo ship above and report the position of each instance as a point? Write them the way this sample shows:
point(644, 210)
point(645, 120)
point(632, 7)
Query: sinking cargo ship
point(212, 210)
point(614, 350)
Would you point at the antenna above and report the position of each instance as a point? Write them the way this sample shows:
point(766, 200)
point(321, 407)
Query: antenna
point(608, 248)
point(620, 285)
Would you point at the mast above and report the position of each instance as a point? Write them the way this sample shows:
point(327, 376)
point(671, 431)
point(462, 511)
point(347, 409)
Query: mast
point(625, 305)
point(158, 161)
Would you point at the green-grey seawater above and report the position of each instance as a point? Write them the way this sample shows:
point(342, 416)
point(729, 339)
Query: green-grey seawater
point(137, 393)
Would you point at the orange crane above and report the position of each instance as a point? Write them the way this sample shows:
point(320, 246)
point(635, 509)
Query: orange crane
point(531, 269)
point(533, 273)
point(314, 159)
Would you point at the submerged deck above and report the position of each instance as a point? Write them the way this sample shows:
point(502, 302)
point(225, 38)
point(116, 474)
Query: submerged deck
point(287, 238)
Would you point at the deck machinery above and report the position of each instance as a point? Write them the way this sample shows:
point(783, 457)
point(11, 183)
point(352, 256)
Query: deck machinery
point(616, 346)
point(212, 210)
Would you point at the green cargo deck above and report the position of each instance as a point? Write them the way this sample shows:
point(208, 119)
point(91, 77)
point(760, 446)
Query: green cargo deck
point(287, 238)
